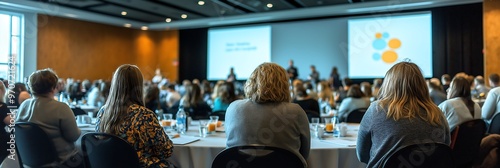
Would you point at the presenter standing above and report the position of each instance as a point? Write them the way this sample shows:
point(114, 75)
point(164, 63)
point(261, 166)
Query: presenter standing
point(232, 76)
point(293, 72)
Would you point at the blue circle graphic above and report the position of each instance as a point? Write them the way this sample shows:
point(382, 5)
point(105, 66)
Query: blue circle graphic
point(376, 56)
point(385, 35)
point(379, 44)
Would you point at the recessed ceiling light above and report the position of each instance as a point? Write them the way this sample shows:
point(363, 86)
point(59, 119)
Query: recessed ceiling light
point(144, 28)
point(201, 2)
point(269, 5)
point(124, 13)
point(184, 16)
point(168, 20)
point(127, 25)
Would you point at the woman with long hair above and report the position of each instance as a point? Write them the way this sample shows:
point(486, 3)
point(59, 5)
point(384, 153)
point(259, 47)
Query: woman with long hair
point(193, 103)
point(459, 107)
point(125, 116)
point(267, 105)
point(226, 97)
point(403, 115)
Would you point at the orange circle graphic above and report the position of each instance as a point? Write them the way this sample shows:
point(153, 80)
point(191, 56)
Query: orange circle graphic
point(378, 35)
point(394, 43)
point(389, 56)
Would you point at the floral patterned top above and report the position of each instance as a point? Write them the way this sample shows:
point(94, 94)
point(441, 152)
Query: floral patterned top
point(142, 130)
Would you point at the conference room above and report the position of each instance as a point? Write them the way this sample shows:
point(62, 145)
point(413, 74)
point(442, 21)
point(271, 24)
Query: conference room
point(204, 40)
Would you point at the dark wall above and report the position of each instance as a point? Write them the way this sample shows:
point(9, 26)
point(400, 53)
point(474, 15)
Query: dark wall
point(457, 43)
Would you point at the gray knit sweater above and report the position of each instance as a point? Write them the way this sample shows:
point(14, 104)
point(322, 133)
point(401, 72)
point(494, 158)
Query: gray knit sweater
point(379, 135)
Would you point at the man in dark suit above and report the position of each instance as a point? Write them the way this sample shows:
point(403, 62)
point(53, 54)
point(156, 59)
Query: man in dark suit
point(293, 72)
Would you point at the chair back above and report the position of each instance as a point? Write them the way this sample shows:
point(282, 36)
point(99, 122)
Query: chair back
point(102, 150)
point(35, 147)
point(466, 140)
point(495, 124)
point(252, 156)
point(427, 155)
point(355, 116)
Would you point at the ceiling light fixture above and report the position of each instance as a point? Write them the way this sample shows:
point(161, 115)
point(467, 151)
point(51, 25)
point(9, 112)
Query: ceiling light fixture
point(127, 25)
point(168, 20)
point(201, 3)
point(124, 13)
point(269, 5)
point(184, 16)
point(144, 28)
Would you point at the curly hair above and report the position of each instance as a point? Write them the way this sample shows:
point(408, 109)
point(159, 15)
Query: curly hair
point(268, 83)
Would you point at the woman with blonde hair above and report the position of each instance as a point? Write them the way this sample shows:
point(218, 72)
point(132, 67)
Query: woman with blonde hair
point(267, 109)
point(403, 115)
point(325, 97)
point(125, 116)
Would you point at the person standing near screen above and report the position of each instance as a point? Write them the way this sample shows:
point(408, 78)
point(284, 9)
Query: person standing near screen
point(293, 72)
point(232, 76)
point(314, 76)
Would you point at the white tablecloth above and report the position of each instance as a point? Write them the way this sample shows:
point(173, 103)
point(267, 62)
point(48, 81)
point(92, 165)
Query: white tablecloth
point(327, 153)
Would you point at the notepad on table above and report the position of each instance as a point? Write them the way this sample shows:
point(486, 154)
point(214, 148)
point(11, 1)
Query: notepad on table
point(343, 142)
point(183, 140)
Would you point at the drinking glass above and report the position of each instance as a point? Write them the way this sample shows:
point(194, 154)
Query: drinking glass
point(314, 122)
point(166, 122)
point(203, 129)
point(212, 125)
point(329, 124)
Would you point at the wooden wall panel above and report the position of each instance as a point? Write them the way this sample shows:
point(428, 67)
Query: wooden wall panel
point(491, 27)
point(86, 50)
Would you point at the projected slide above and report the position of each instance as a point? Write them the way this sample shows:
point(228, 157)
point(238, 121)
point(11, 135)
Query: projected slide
point(243, 48)
point(377, 43)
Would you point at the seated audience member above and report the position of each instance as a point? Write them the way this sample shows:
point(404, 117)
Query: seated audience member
point(459, 107)
point(54, 117)
point(182, 88)
point(308, 104)
point(20, 94)
point(489, 152)
point(492, 103)
point(172, 96)
point(226, 97)
point(404, 115)
point(125, 116)
point(94, 97)
point(207, 91)
point(310, 90)
point(325, 97)
point(480, 89)
point(435, 92)
point(152, 97)
point(193, 103)
point(5, 117)
point(266, 106)
point(377, 83)
point(347, 82)
point(354, 100)
point(445, 80)
point(366, 88)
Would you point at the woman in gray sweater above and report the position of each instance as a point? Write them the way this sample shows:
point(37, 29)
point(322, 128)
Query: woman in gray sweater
point(403, 115)
point(266, 116)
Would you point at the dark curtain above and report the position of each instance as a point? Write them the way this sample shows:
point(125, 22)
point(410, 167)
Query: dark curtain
point(458, 39)
point(193, 54)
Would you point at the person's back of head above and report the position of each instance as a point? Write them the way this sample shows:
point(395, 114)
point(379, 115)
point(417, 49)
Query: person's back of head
point(193, 95)
point(494, 80)
point(126, 89)
point(268, 83)
point(445, 79)
point(152, 94)
point(227, 92)
point(366, 88)
point(42, 82)
point(459, 87)
point(403, 94)
point(171, 87)
point(479, 80)
point(433, 86)
point(355, 91)
point(300, 92)
point(3, 92)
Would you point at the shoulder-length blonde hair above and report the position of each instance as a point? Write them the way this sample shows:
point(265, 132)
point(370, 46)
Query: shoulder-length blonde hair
point(126, 89)
point(404, 93)
point(268, 83)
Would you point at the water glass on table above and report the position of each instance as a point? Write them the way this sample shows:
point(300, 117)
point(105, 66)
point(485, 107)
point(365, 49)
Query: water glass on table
point(203, 129)
point(166, 122)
